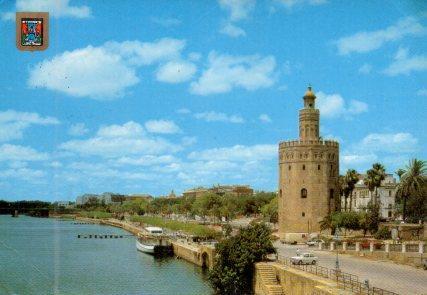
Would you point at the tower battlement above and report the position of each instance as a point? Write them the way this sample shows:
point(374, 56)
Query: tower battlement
point(288, 143)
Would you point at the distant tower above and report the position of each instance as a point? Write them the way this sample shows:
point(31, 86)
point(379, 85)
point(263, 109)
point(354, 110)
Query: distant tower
point(308, 176)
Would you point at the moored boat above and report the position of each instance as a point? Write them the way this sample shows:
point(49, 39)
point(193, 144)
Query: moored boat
point(153, 241)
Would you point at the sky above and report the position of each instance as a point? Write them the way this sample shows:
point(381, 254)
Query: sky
point(154, 96)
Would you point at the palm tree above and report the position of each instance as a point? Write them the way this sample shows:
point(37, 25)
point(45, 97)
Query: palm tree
point(375, 176)
point(351, 178)
point(412, 181)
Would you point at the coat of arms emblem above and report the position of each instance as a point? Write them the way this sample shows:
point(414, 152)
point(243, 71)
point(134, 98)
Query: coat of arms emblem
point(32, 30)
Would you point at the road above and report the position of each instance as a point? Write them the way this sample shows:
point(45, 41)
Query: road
point(402, 279)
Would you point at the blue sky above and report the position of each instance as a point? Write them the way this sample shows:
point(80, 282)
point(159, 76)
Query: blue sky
point(150, 96)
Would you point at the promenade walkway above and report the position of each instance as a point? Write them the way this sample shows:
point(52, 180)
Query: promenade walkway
point(402, 279)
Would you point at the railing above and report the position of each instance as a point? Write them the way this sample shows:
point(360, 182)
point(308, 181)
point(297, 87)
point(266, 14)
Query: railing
point(344, 280)
point(412, 247)
point(395, 247)
point(351, 246)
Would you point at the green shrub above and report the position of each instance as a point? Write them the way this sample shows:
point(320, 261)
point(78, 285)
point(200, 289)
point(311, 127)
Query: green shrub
point(190, 228)
point(383, 234)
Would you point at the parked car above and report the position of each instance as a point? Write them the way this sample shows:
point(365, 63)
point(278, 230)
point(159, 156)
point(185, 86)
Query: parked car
point(304, 258)
point(314, 242)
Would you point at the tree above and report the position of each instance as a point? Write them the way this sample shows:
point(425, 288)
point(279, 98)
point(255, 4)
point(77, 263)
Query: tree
point(351, 178)
point(372, 217)
point(270, 211)
point(412, 182)
point(326, 223)
point(375, 176)
point(234, 265)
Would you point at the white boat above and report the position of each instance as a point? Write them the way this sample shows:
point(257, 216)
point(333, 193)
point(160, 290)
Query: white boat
point(152, 238)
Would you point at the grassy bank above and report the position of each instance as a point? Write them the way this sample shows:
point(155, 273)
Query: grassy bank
point(190, 228)
point(95, 214)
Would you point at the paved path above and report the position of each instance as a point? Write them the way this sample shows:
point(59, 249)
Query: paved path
point(402, 279)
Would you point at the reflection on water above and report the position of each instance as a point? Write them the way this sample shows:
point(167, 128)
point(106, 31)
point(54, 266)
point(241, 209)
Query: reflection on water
point(44, 256)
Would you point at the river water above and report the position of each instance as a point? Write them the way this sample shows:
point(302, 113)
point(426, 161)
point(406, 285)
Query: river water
point(44, 256)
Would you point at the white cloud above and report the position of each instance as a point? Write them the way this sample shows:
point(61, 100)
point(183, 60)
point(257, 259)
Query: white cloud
point(403, 64)
point(218, 117)
point(9, 152)
point(147, 160)
point(55, 164)
point(364, 41)
point(334, 106)
point(390, 142)
point(147, 53)
point(232, 30)
point(162, 126)
point(22, 173)
point(13, 123)
point(56, 8)
point(422, 92)
point(239, 153)
point(78, 129)
point(238, 9)
point(183, 111)
point(128, 130)
point(292, 3)
point(92, 71)
point(264, 118)
point(226, 72)
point(356, 160)
point(365, 69)
point(176, 71)
point(380, 147)
point(119, 141)
point(103, 72)
point(188, 140)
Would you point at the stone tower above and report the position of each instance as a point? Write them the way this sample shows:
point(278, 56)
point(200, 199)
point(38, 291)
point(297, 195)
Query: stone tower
point(308, 177)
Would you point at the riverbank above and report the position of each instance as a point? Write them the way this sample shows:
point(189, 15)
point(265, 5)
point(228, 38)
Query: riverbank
point(44, 256)
point(198, 254)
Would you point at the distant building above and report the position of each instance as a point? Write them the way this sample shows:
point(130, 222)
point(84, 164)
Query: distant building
point(135, 197)
point(83, 199)
point(112, 198)
point(235, 190)
point(106, 198)
point(195, 192)
point(386, 196)
point(65, 204)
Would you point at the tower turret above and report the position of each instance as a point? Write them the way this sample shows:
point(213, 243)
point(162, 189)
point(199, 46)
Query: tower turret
point(309, 117)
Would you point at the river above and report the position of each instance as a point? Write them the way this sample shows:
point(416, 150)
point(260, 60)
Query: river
point(44, 256)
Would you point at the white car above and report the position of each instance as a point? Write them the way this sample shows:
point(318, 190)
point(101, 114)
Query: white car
point(304, 258)
point(314, 242)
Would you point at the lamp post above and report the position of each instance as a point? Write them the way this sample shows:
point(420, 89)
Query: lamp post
point(336, 239)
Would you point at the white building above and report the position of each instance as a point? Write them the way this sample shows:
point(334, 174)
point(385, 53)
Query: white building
point(386, 196)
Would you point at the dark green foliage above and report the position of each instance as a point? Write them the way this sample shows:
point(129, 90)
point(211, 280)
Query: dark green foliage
point(234, 266)
point(270, 211)
point(383, 234)
point(347, 220)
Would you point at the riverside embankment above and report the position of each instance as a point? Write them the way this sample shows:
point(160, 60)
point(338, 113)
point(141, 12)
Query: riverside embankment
point(197, 253)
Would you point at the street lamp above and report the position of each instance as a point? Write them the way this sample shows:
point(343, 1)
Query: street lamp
point(336, 239)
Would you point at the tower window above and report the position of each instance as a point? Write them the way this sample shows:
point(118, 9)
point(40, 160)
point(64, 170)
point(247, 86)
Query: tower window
point(303, 214)
point(389, 193)
point(304, 193)
point(280, 193)
point(289, 168)
point(303, 167)
point(318, 167)
point(331, 193)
